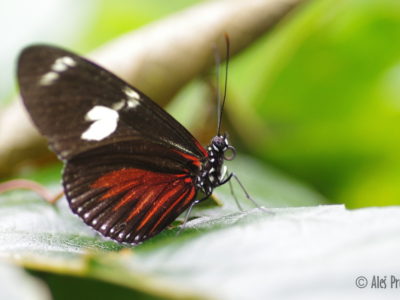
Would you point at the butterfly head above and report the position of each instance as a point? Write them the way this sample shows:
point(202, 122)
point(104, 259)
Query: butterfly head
point(221, 145)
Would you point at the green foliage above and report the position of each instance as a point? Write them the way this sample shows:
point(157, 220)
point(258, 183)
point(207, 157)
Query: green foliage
point(323, 91)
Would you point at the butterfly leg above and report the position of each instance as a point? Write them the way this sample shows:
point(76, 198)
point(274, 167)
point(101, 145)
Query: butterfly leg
point(189, 211)
point(234, 196)
point(187, 215)
point(30, 185)
point(233, 175)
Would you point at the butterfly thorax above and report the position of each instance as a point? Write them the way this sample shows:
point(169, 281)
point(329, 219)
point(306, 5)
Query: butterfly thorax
point(213, 171)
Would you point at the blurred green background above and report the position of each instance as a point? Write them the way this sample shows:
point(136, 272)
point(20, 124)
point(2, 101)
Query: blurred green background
point(318, 97)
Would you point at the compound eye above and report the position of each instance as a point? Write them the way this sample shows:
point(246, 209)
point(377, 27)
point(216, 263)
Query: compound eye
point(219, 140)
point(230, 153)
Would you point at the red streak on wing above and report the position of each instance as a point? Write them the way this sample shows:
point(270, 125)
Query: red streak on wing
point(123, 180)
point(201, 148)
point(144, 187)
point(192, 158)
point(157, 206)
point(131, 195)
point(189, 198)
point(118, 189)
point(119, 176)
point(151, 194)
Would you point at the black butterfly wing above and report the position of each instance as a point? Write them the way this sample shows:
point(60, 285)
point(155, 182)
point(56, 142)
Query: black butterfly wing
point(123, 199)
point(79, 106)
point(130, 166)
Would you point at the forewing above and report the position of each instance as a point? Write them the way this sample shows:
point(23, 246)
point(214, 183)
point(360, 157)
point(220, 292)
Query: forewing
point(80, 106)
point(117, 197)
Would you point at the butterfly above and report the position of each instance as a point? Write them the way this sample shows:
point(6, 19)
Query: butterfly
point(130, 168)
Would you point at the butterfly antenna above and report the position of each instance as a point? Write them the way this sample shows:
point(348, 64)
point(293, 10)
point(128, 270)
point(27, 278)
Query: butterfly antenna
point(217, 75)
point(221, 107)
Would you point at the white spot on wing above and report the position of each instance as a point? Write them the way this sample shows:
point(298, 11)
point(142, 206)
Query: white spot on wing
point(48, 78)
point(63, 63)
point(118, 105)
point(132, 103)
point(69, 61)
point(131, 93)
point(132, 97)
point(105, 122)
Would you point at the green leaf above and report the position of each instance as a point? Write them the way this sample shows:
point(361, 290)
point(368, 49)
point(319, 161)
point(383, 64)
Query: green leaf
point(50, 238)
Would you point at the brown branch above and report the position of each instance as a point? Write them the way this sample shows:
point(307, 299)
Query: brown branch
point(18, 184)
point(159, 59)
